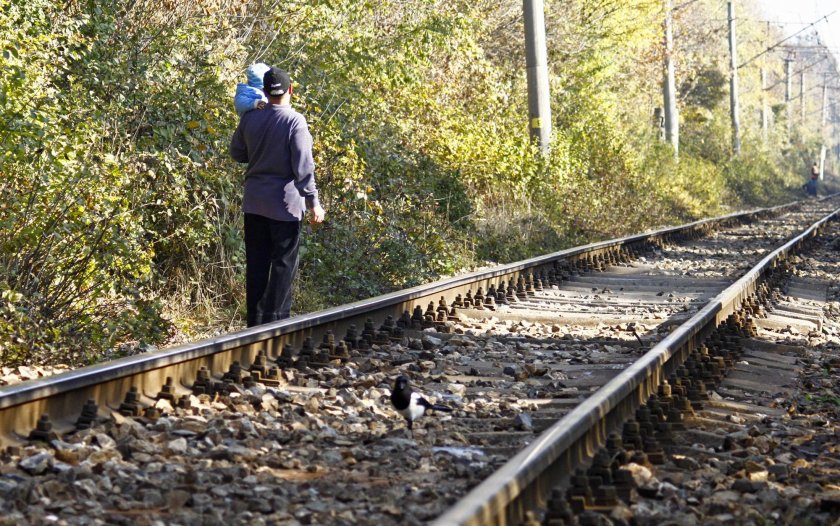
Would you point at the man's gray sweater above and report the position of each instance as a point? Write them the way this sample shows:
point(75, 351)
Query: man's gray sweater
point(280, 179)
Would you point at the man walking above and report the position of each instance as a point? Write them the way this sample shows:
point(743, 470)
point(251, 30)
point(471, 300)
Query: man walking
point(812, 184)
point(279, 188)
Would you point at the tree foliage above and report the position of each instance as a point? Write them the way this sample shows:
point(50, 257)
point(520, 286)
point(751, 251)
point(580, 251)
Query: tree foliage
point(122, 222)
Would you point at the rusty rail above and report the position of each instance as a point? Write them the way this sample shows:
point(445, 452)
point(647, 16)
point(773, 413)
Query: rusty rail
point(62, 396)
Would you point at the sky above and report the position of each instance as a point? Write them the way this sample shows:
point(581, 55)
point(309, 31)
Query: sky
point(799, 13)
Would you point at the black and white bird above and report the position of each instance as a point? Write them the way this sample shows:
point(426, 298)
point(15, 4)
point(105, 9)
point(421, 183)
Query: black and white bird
point(409, 404)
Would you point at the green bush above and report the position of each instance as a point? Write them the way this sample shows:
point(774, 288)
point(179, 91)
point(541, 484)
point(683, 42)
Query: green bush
point(122, 224)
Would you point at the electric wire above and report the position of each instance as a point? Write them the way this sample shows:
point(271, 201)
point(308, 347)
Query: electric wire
point(780, 42)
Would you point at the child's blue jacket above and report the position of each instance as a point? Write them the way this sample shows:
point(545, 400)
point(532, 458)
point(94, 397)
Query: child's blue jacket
point(249, 95)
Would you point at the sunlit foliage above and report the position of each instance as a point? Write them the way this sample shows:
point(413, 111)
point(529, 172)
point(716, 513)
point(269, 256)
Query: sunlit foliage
point(121, 225)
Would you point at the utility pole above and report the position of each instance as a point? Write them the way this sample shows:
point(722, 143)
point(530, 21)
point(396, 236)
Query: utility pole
point(823, 151)
point(733, 83)
point(827, 159)
point(536, 61)
point(788, 91)
point(672, 119)
point(788, 88)
point(765, 118)
point(824, 112)
point(802, 97)
point(764, 113)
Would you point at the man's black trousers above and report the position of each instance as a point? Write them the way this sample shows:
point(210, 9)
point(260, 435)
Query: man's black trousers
point(271, 262)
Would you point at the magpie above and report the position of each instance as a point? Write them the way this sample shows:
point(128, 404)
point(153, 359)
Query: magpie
point(409, 404)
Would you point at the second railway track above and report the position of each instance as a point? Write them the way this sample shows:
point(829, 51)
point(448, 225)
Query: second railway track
point(278, 429)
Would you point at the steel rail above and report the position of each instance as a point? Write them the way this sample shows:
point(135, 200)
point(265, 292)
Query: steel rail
point(61, 396)
point(525, 481)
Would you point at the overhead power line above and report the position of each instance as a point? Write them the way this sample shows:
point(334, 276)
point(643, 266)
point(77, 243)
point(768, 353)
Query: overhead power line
point(801, 70)
point(780, 42)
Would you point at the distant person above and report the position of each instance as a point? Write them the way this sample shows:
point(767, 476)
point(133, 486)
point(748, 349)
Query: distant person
point(250, 96)
point(279, 188)
point(812, 183)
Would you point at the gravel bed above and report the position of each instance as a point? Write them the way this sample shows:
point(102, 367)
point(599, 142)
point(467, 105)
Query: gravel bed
point(23, 373)
point(325, 448)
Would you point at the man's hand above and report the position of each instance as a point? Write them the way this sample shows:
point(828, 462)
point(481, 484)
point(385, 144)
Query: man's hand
point(317, 214)
point(260, 104)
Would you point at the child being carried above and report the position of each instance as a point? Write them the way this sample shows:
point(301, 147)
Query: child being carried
point(250, 96)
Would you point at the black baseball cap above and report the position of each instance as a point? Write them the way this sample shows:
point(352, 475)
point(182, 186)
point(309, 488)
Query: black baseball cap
point(276, 82)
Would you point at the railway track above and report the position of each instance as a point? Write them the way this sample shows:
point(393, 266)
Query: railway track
point(759, 445)
point(290, 423)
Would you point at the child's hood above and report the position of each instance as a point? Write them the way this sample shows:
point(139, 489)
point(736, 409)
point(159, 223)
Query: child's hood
point(255, 74)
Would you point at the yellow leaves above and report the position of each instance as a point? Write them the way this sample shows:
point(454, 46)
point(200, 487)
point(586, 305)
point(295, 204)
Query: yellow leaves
point(197, 125)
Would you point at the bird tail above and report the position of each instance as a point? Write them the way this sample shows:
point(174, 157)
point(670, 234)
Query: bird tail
point(439, 407)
